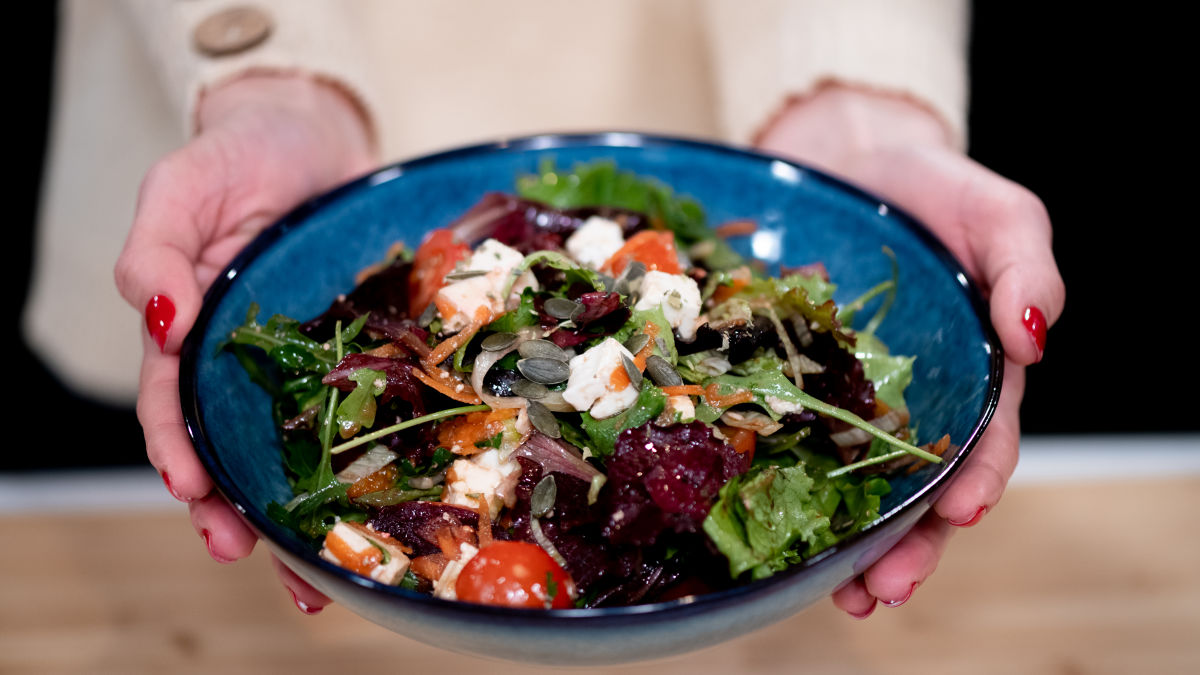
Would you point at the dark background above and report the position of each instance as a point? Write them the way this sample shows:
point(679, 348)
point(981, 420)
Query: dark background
point(1061, 103)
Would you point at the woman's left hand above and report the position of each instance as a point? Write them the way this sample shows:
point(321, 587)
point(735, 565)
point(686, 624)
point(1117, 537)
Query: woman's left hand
point(1001, 234)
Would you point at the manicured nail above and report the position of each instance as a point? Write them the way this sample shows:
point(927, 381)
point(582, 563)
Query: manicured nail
point(171, 488)
point(208, 544)
point(1035, 323)
point(970, 521)
point(901, 601)
point(160, 312)
point(863, 615)
point(304, 606)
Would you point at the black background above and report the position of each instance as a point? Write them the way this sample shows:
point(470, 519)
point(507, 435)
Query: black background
point(1073, 105)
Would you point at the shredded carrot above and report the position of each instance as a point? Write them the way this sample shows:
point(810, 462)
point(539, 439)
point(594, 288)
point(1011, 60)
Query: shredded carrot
point(484, 530)
point(462, 433)
point(452, 343)
point(727, 291)
point(380, 480)
point(736, 228)
point(386, 351)
point(447, 386)
point(713, 397)
point(742, 440)
point(684, 390)
point(447, 542)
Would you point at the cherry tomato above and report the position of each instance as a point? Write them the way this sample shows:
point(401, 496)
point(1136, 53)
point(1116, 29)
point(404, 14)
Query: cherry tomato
point(654, 249)
point(434, 259)
point(515, 574)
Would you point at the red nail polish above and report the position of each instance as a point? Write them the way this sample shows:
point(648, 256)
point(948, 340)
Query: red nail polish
point(901, 601)
point(865, 614)
point(1035, 323)
point(970, 521)
point(208, 544)
point(170, 488)
point(160, 313)
point(304, 606)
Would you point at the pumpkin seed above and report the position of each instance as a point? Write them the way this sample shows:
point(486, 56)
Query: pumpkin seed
point(631, 369)
point(563, 309)
point(530, 390)
point(427, 316)
point(498, 342)
point(543, 370)
point(465, 274)
point(660, 370)
point(609, 282)
point(541, 502)
point(634, 271)
point(542, 349)
point(637, 342)
point(543, 420)
point(675, 300)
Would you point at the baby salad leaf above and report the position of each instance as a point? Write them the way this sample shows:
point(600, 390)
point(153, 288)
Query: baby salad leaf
point(281, 339)
point(759, 516)
point(890, 374)
point(666, 338)
point(603, 433)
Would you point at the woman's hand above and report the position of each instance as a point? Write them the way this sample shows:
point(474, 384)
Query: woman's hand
point(264, 145)
point(999, 231)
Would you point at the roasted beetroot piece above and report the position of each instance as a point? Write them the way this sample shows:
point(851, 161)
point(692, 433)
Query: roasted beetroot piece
point(530, 226)
point(665, 479)
point(843, 384)
point(416, 524)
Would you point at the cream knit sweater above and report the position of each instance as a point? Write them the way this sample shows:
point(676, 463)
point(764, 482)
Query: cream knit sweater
point(432, 75)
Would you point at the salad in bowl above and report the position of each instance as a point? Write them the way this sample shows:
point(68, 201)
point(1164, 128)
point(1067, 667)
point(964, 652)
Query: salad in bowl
point(579, 395)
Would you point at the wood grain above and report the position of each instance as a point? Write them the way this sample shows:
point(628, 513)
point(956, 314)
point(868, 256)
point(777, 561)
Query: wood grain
point(1080, 578)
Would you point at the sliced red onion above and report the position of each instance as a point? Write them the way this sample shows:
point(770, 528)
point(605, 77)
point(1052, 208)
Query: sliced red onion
point(555, 455)
point(890, 422)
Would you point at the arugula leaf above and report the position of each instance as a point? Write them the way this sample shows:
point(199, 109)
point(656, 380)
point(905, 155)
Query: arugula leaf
point(759, 516)
point(762, 359)
point(358, 409)
point(281, 339)
point(514, 320)
point(603, 433)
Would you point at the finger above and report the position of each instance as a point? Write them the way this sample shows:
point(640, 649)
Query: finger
point(168, 445)
point(982, 479)
point(898, 573)
point(854, 599)
point(225, 534)
point(308, 599)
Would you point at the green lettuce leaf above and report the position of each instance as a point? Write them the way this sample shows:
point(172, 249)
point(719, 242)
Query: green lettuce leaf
point(357, 411)
point(890, 374)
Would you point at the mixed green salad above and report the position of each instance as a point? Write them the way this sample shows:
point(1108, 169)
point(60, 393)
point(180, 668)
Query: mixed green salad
point(580, 395)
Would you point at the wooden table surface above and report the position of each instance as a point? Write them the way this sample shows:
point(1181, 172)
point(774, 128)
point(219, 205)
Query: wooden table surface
point(1091, 577)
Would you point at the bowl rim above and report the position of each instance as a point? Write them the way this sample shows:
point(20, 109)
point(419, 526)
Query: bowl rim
point(282, 537)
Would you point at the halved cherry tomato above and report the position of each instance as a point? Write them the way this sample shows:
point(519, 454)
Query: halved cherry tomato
point(654, 249)
point(515, 574)
point(434, 259)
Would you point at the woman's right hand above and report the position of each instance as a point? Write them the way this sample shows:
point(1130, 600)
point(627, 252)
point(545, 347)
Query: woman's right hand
point(265, 143)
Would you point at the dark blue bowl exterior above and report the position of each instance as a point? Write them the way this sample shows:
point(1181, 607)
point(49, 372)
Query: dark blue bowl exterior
point(297, 267)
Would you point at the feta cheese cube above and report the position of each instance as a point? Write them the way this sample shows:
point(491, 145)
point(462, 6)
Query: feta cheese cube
point(485, 476)
point(595, 242)
point(591, 386)
point(459, 301)
point(443, 587)
point(679, 297)
point(361, 549)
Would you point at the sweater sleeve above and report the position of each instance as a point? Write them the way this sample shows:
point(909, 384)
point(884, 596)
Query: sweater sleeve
point(771, 51)
point(308, 37)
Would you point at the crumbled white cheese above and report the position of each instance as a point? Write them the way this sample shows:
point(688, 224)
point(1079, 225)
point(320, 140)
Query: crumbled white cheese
point(360, 539)
point(459, 301)
point(486, 476)
point(680, 409)
point(595, 242)
point(590, 386)
point(677, 294)
point(444, 586)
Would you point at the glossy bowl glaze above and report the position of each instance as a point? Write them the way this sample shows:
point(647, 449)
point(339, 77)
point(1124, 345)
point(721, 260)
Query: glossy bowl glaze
point(300, 264)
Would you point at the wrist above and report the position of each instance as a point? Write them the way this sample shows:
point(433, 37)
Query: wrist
point(838, 125)
point(325, 106)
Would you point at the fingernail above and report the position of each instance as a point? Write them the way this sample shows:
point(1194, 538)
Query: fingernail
point(901, 601)
point(160, 312)
point(208, 544)
point(304, 606)
point(969, 521)
point(171, 488)
point(863, 615)
point(1035, 323)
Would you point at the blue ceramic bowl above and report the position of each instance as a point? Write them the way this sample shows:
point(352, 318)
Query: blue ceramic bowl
point(302, 262)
